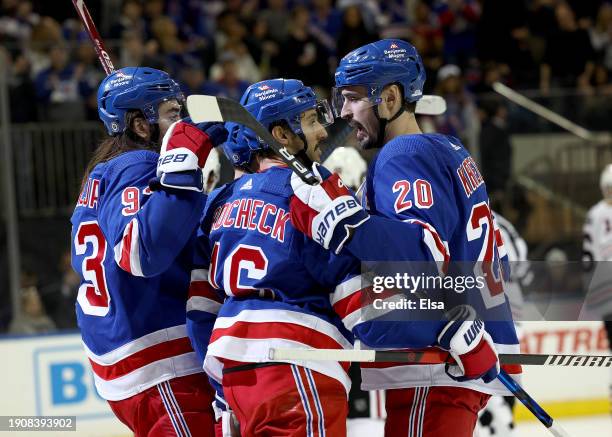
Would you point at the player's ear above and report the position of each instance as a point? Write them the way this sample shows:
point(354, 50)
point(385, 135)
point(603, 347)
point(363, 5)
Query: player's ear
point(395, 96)
point(280, 134)
point(140, 127)
point(391, 98)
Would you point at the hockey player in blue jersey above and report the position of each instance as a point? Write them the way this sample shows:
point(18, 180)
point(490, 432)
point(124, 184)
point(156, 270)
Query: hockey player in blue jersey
point(275, 281)
point(424, 201)
point(133, 231)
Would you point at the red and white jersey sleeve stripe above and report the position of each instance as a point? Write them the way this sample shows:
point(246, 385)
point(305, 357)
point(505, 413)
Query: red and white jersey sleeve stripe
point(353, 301)
point(438, 247)
point(127, 252)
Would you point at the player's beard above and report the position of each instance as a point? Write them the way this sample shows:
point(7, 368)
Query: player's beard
point(367, 140)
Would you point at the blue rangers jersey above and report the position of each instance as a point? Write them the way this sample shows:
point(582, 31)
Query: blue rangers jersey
point(275, 282)
point(428, 202)
point(132, 249)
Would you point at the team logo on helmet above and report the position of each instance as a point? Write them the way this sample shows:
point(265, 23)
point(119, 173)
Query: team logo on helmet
point(266, 92)
point(119, 79)
point(393, 46)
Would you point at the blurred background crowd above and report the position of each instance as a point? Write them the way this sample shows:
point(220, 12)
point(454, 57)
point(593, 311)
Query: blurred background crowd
point(559, 52)
point(220, 47)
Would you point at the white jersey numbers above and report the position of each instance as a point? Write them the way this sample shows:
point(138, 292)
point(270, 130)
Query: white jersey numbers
point(244, 266)
point(488, 263)
point(93, 297)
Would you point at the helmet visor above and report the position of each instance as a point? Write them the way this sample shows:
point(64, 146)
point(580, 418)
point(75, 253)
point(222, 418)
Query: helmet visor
point(325, 115)
point(318, 117)
point(426, 105)
point(152, 113)
point(339, 99)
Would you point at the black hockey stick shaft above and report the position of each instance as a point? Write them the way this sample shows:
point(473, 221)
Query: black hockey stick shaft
point(509, 359)
point(557, 360)
point(210, 108)
point(433, 356)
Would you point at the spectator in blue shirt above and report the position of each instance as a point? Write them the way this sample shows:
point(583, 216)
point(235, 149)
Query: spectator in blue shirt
point(59, 88)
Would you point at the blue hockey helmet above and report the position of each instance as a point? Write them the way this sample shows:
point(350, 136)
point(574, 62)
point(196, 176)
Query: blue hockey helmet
point(378, 64)
point(271, 101)
point(134, 88)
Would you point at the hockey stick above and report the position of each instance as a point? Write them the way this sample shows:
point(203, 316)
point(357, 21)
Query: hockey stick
point(549, 115)
point(430, 105)
point(90, 27)
point(210, 108)
point(203, 108)
point(440, 357)
point(434, 357)
point(530, 403)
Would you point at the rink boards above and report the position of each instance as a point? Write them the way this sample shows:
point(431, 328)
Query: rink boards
point(50, 375)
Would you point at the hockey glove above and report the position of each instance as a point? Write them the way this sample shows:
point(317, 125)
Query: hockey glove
point(327, 212)
point(183, 154)
point(464, 336)
point(215, 130)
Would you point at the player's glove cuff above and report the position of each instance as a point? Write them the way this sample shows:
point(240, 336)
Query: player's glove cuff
point(327, 212)
point(192, 180)
point(184, 148)
point(177, 160)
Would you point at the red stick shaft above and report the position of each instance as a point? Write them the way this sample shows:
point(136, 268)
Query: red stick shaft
point(103, 55)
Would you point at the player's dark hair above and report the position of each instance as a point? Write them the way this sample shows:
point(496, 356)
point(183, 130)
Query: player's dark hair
point(281, 123)
point(264, 153)
point(410, 106)
point(114, 146)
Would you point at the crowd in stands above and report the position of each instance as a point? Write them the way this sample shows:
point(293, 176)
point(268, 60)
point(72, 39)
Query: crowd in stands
point(220, 47)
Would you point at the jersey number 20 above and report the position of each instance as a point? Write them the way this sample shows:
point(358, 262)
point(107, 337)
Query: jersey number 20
point(93, 297)
point(422, 194)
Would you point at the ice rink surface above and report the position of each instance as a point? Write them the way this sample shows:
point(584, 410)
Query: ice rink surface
point(595, 426)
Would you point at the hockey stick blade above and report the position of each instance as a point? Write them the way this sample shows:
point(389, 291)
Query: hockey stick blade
point(210, 108)
point(430, 105)
point(434, 357)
